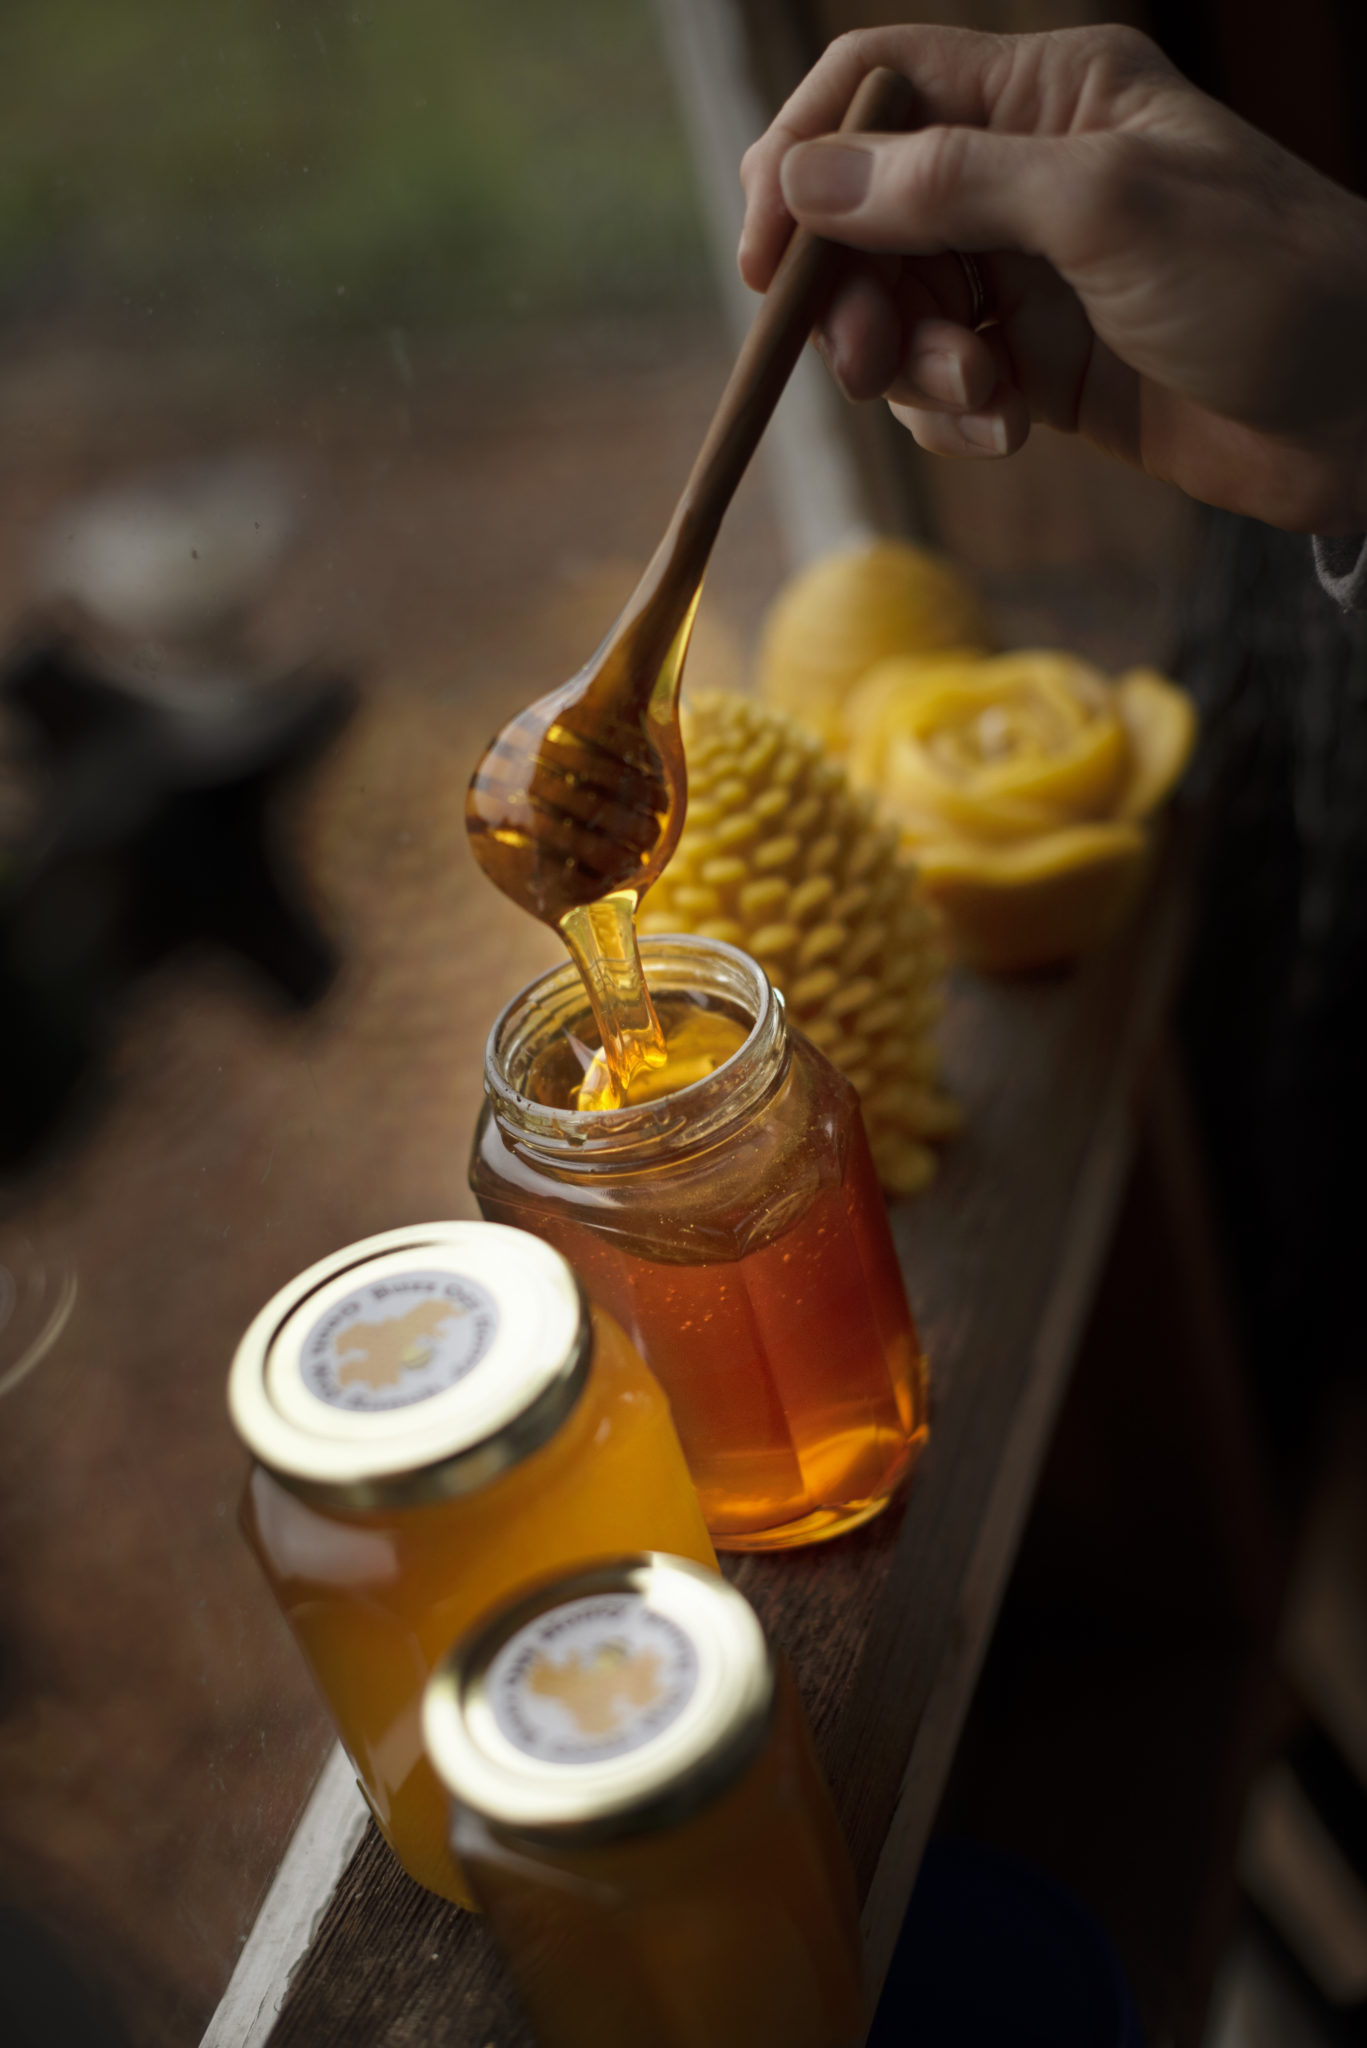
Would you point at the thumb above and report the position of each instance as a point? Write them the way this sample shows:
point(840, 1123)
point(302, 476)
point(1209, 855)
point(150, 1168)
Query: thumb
point(942, 188)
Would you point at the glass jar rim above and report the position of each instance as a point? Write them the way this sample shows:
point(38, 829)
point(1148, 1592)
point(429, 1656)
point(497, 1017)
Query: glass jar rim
point(685, 1121)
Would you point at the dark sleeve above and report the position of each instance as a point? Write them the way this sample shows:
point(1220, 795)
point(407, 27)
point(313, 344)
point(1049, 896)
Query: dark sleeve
point(1341, 561)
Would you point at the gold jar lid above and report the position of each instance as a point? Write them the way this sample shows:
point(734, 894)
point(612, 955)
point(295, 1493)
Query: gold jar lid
point(413, 1366)
point(607, 1703)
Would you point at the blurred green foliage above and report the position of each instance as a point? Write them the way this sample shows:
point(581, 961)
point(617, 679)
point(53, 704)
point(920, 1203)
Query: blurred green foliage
point(306, 163)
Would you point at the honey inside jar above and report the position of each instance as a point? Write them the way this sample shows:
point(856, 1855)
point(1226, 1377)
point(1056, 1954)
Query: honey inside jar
point(698, 1039)
point(737, 1930)
point(656, 1850)
point(735, 1227)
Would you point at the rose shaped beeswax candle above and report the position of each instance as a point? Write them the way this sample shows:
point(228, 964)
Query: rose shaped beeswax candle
point(1024, 786)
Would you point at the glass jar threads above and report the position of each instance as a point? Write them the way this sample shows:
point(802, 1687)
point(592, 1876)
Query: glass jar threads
point(641, 1816)
point(439, 1418)
point(736, 1229)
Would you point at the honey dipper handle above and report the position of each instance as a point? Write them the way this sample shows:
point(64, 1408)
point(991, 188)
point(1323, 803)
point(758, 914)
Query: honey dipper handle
point(801, 287)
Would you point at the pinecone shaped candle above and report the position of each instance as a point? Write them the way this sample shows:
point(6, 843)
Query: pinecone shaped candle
point(780, 856)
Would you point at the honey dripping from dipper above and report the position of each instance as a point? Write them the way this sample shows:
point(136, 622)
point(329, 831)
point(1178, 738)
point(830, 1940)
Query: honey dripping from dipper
point(573, 812)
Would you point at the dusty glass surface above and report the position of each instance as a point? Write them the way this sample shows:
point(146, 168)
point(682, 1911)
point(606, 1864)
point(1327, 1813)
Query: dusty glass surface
point(336, 342)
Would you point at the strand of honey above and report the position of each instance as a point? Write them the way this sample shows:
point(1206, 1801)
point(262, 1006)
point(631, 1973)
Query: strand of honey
point(602, 941)
point(602, 936)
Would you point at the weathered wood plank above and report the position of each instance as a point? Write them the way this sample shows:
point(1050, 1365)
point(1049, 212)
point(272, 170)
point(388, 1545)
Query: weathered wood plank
point(885, 1629)
point(1004, 1266)
point(328, 1834)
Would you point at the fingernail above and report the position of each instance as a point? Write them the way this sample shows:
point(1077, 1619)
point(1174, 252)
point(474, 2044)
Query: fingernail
point(983, 430)
point(828, 356)
point(825, 177)
point(939, 374)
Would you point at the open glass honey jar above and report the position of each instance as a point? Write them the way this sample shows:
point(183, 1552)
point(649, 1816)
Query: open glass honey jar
point(735, 1227)
point(641, 1816)
point(439, 1419)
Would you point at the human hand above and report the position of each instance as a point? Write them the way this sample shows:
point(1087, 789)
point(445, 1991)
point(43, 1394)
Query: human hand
point(1161, 278)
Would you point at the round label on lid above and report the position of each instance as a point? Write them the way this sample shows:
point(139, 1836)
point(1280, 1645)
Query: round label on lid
point(414, 1366)
point(594, 1679)
point(617, 1698)
point(398, 1339)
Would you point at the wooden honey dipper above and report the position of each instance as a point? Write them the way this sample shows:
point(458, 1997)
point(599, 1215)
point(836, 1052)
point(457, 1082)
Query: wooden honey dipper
point(577, 804)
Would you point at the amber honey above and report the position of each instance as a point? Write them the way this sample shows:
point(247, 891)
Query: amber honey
point(735, 1226)
point(641, 1816)
point(570, 1075)
point(574, 810)
point(582, 795)
point(389, 1510)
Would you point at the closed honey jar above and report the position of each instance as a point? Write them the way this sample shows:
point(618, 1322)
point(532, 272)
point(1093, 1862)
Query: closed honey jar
point(729, 1215)
point(439, 1418)
point(639, 1812)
